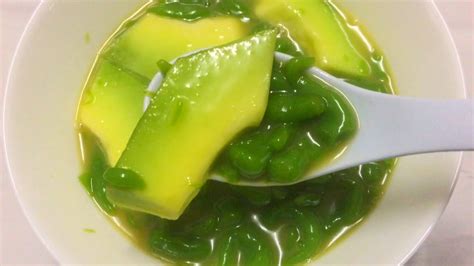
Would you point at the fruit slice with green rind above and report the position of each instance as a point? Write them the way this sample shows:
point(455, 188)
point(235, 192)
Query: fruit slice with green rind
point(205, 100)
point(153, 37)
point(111, 107)
point(321, 31)
point(113, 99)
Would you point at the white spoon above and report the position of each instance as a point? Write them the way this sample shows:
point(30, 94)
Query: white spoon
point(413, 126)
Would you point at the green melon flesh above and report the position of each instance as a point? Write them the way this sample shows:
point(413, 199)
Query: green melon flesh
point(205, 101)
point(152, 38)
point(321, 31)
point(111, 107)
point(118, 83)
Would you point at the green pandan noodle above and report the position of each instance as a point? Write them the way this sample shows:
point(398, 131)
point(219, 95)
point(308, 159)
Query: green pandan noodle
point(303, 124)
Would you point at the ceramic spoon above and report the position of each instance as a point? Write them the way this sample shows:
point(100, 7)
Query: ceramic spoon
point(414, 126)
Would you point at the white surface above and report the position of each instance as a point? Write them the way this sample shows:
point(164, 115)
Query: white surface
point(450, 243)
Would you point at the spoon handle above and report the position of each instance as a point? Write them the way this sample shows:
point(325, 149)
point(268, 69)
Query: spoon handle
point(393, 126)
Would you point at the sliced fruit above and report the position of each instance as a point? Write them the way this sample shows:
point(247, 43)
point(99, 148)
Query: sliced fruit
point(206, 99)
point(118, 92)
point(112, 106)
point(320, 30)
point(153, 37)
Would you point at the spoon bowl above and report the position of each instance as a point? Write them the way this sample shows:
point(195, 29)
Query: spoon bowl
point(415, 126)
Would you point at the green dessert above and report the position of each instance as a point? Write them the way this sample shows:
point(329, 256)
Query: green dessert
point(230, 110)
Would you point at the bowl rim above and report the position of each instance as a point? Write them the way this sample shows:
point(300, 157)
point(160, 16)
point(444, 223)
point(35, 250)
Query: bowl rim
point(461, 154)
point(43, 238)
point(6, 161)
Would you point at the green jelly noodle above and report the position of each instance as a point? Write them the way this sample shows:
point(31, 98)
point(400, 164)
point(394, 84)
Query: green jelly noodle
point(306, 124)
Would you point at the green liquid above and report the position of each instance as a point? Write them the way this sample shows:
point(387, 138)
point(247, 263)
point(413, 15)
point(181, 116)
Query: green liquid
point(225, 224)
point(229, 225)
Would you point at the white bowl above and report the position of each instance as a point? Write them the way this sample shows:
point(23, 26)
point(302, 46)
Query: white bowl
point(45, 82)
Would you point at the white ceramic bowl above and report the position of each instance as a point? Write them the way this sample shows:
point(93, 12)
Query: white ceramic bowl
point(52, 63)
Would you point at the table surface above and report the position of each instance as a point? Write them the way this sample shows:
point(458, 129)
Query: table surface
point(450, 243)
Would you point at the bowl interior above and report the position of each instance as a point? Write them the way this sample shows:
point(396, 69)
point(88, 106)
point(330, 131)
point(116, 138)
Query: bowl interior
point(52, 64)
